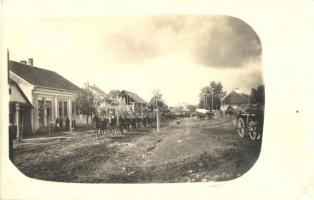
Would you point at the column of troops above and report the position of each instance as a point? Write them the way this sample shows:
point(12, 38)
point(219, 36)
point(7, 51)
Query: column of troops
point(121, 123)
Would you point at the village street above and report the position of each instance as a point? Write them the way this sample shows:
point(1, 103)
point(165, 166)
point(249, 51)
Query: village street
point(185, 150)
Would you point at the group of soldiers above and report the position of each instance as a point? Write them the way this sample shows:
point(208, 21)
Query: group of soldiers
point(120, 123)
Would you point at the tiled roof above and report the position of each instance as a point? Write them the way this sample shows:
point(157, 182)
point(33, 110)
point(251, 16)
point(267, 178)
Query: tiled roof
point(134, 96)
point(41, 77)
point(97, 90)
point(236, 98)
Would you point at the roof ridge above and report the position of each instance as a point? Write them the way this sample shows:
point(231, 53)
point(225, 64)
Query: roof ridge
point(41, 77)
point(33, 66)
point(135, 94)
point(97, 88)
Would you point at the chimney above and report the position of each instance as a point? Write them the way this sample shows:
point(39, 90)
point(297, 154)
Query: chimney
point(23, 61)
point(30, 61)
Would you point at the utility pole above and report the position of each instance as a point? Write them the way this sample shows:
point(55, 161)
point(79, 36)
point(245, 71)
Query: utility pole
point(212, 94)
point(205, 93)
point(88, 100)
point(156, 94)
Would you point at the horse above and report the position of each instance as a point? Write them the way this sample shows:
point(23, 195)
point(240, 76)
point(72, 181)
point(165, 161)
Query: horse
point(98, 125)
point(113, 124)
point(127, 122)
point(150, 121)
point(121, 123)
point(133, 122)
point(137, 120)
point(104, 124)
point(145, 121)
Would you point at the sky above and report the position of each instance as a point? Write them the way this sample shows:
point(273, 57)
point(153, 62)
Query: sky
point(177, 54)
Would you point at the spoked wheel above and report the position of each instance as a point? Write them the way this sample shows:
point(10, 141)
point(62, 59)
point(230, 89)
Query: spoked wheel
point(253, 130)
point(240, 127)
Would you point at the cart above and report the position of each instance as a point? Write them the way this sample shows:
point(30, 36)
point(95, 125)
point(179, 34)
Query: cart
point(250, 123)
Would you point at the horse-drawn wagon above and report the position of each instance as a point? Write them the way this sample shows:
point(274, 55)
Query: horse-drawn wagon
point(204, 114)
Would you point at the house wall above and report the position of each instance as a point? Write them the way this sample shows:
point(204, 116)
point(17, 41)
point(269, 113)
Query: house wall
point(19, 108)
point(234, 106)
point(49, 97)
point(225, 106)
point(50, 104)
point(25, 86)
point(16, 94)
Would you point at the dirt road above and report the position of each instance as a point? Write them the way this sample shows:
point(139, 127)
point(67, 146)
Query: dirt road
point(186, 150)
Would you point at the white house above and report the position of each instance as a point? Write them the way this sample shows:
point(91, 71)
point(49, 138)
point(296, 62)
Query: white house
point(51, 96)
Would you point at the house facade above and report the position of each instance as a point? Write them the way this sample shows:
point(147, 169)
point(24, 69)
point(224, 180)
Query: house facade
point(51, 96)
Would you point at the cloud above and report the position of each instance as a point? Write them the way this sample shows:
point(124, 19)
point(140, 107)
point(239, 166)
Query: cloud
point(211, 41)
point(177, 54)
point(229, 43)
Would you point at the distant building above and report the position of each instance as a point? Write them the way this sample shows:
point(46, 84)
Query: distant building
point(179, 109)
point(50, 97)
point(97, 91)
point(106, 104)
point(235, 100)
point(134, 102)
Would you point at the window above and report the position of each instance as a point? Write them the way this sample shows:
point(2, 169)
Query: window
point(74, 109)
point(41, 112)
point(60, 109)
point(49, 111)
point(65, 109)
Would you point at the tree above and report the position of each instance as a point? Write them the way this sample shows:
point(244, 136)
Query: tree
point(158, 104)
point(211, 96)
point(192, 108)
point(257, 95)
point(85, 102)
point(113, 93)
point(157, 98)
point(252, 98)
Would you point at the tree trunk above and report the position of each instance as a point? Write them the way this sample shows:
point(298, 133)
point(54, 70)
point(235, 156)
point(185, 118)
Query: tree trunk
point(158, 120)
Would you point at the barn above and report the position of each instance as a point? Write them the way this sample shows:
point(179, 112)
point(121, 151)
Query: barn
point(234, 101)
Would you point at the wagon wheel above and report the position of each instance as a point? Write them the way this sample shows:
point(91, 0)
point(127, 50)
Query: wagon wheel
point(252, 130)
point(240, 127)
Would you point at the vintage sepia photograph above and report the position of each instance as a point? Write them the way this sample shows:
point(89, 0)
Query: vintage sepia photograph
point(134, 99)
point(156, 99)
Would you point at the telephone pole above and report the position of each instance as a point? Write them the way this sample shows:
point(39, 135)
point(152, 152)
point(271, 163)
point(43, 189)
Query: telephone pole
point(156, 94)
point(88, 101)
point(205, 93)
point(212, 94)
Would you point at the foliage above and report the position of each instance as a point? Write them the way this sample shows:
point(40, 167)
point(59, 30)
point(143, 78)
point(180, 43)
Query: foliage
point(192, 108)
point(257, 95)
point(113, 93)
point(162, 106)
point(211, 96)
point(85, 102)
